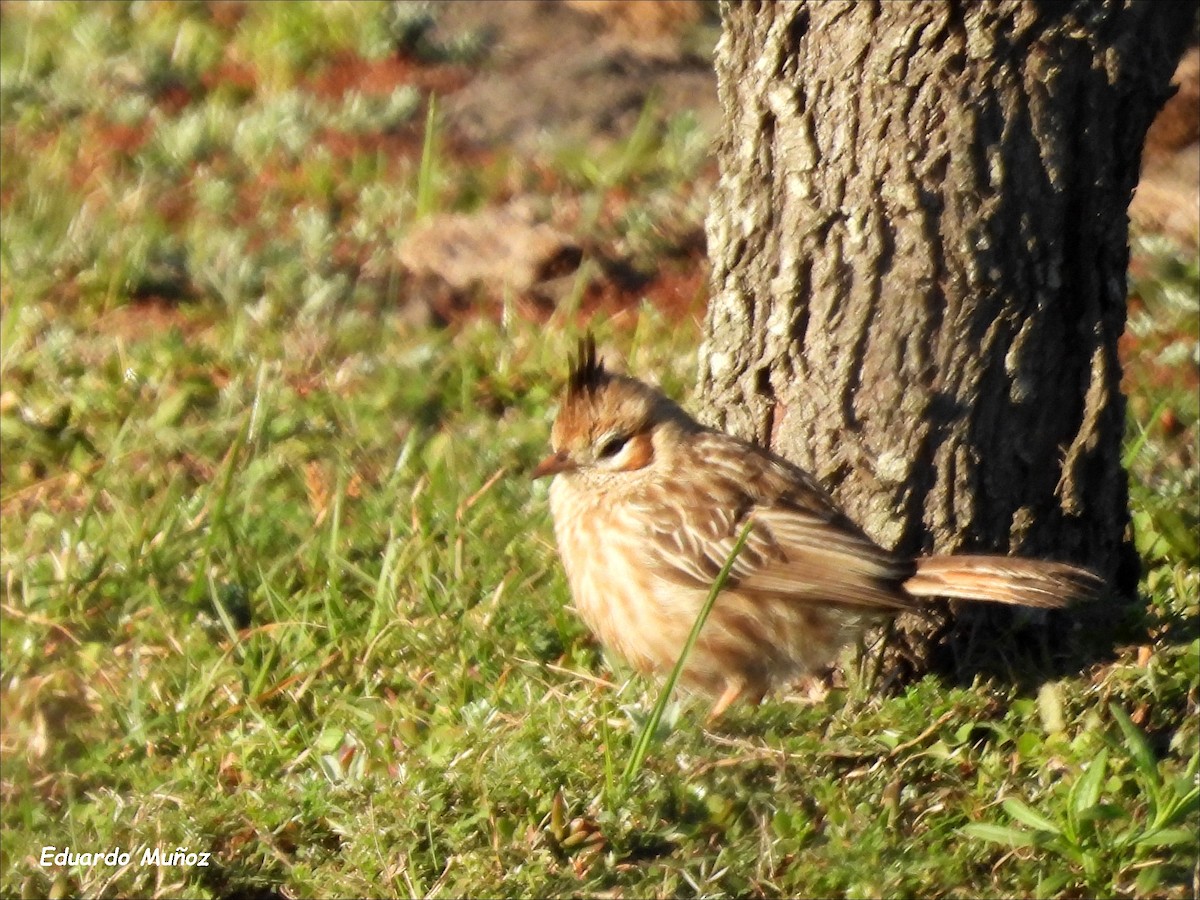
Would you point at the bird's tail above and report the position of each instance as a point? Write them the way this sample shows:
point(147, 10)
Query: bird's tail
point(1003, 579)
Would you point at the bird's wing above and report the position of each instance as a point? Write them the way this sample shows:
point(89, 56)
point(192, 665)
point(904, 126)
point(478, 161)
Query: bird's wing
point(801, 547)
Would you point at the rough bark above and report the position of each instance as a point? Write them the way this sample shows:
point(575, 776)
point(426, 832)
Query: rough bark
point(919, 244)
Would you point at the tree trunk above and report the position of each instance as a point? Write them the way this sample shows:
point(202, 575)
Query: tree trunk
point(919, 243)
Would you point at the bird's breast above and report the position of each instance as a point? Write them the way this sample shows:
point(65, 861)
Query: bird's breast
point(600, 540)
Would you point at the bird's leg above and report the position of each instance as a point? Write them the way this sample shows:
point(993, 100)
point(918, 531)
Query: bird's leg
point(734, 691)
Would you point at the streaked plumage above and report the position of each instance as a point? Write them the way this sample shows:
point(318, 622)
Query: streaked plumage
point(648, 504)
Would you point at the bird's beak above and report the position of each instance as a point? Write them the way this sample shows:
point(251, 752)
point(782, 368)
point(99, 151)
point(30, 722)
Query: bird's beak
point(552, 465)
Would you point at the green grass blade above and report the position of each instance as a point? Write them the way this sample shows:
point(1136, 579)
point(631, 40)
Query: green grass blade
point(650, 727)
point(610, 781)
point(1086, 792)
point(999, 834)
point(427, 171)
point(1132, 451)
point(1143, 756)
point(1026, 816)
point(1168, 837)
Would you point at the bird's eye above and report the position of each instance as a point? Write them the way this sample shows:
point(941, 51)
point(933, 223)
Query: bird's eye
point(611, 447)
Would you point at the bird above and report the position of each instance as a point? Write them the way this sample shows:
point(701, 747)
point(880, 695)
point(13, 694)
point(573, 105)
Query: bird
point(648, 504)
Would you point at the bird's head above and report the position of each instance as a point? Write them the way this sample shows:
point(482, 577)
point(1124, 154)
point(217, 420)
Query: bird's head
point(607, 423)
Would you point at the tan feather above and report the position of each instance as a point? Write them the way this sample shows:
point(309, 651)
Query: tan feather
point(1002, 579)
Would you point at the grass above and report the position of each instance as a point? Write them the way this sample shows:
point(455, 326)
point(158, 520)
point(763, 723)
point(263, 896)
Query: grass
point(277, 587)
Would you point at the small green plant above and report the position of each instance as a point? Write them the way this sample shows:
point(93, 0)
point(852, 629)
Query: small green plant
point(409, 28)
point(654, 151)
point(1104, 840)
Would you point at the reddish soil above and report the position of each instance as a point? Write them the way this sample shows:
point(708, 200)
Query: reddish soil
point(347, 72)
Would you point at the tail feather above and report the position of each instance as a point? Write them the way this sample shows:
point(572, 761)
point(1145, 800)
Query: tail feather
point(1003, 579)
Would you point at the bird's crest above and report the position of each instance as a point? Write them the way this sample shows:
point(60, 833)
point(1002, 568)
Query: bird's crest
point(587, 373)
